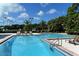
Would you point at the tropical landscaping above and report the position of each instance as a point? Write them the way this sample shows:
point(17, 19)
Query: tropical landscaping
point(68, 23)
point(47, 27)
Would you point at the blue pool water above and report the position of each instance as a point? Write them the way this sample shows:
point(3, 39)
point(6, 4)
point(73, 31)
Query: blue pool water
point(31, 45)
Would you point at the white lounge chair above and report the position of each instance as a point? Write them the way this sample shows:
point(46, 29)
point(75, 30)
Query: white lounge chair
point(30, 32)
point(75, 41)
point(18, 32)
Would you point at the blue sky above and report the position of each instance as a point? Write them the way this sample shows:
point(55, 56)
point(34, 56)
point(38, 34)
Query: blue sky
point(17, 13)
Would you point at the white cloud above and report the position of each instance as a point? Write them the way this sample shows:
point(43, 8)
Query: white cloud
point(5, 8)
point(52, 11)
point(23, 15)
point(14, 7)
point(40, 13)
point(6, 13)
point(36, 18)
point(10, 18)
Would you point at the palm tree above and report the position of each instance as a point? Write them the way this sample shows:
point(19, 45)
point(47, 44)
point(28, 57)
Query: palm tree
point(28, 24)
point(49, 26)
point(42, 25)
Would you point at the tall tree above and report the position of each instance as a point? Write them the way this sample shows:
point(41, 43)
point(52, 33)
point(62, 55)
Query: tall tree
point(72, 23)
point(28, 25)
point(57, 24)
point(42, 25)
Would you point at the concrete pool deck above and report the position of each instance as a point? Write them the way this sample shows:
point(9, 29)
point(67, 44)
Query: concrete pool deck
point(9, 35)
point(74, 49)
point(67, 47)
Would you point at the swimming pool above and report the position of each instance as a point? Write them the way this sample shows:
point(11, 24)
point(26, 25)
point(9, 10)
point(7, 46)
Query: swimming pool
point(30, 45)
